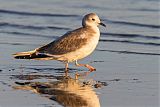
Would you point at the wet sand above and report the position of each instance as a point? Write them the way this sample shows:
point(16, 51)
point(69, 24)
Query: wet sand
point(132, 80)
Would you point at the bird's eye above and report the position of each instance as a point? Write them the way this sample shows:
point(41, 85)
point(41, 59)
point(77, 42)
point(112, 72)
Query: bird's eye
point(93, 19)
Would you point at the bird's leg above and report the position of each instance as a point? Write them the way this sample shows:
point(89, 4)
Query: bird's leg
point(66, 69)
point(91, 69)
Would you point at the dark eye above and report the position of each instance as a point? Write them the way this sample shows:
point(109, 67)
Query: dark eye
point(93, 19)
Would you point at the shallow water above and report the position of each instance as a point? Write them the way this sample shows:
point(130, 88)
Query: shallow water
point(128, 50)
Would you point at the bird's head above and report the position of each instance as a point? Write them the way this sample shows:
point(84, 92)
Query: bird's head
point(91, 20)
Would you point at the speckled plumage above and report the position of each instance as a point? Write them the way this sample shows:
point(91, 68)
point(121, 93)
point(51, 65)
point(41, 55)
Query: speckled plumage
point(69, 42)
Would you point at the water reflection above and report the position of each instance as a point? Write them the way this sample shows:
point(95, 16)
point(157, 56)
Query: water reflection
point(67, 91)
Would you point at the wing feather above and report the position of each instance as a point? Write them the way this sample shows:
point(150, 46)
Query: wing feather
point(67, 43)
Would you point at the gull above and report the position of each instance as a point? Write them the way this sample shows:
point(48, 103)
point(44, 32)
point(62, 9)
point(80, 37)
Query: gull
point(70, 47)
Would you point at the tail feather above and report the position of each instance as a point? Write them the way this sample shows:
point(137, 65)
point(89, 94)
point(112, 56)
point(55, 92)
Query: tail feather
point(25, 55)
point(32, 55)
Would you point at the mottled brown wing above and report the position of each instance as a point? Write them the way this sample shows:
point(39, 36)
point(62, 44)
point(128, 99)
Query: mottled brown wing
point(67, 43)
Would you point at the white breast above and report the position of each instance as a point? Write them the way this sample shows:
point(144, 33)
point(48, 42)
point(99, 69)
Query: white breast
point(82, 52)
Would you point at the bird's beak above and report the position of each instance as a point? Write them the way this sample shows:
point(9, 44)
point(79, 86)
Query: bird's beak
point(102, 24)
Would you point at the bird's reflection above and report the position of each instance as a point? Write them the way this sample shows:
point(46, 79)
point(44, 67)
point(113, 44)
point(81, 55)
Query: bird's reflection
point(67, 91)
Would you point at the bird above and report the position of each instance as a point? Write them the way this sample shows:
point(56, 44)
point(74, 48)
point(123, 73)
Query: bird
point(70, 47)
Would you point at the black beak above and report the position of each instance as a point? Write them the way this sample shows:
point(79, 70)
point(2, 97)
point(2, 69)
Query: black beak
point(102, 24)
